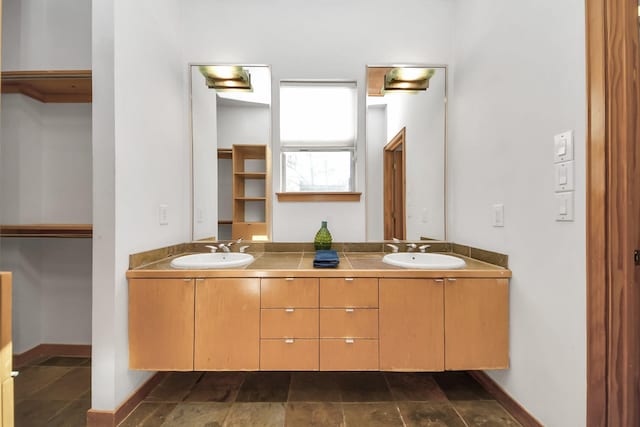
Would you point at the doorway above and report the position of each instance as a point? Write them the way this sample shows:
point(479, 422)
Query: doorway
point(395, 187)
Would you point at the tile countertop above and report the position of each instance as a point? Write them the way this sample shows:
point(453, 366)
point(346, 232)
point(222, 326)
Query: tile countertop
point(300, 264)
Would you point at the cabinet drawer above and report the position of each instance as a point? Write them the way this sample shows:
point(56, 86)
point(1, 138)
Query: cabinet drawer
point(289, 355)
point(349, 292)
point(349, 323)
point(289, 323)
point(289, 292)
point(348, 355)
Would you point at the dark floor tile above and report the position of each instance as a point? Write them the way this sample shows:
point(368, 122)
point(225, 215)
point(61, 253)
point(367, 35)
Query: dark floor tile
point(256, 414)
point(415, 386)
point(363, 387)
point(265, 387)
point(64, 361)
point(483, 413)
point(33, 378)
point(36, 413)
point(384, 414)
point(72, 415)
point(70, 386)
point(314, 387)
point(429, 414)
point(216, 387)
point(175, 387)
point(320, 414)
point(197, 415)
point(460, 386)
point(148, 414)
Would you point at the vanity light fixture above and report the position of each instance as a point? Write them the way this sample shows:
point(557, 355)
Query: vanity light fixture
point(407, 79)
point(227, 78)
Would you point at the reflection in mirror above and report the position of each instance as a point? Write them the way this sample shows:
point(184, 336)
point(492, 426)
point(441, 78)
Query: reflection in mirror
point(231, 138)
point(406, 140)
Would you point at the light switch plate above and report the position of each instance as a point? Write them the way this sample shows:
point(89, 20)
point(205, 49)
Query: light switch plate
point(563, 147)
point(564, 177)
point(498, 215)
point(564, 206)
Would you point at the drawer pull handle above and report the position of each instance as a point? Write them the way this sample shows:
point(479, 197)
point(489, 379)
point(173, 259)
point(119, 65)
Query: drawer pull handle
point(289, 310)
point(186, 280)
point(349, 279)
point(199, 280)
point(289, 279)
point(349, 341)
point(289, 340)
point(349, 310)
point(439, 280)
point(451, 280)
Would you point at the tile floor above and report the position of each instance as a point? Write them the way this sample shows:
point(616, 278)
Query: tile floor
point(53, 392)
point(56, 392)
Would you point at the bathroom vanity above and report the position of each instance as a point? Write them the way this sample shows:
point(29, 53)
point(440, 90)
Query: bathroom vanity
point(284, 315)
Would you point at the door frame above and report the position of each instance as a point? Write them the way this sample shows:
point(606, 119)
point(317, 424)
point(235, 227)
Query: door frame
point(398, 141)
point(613, 140)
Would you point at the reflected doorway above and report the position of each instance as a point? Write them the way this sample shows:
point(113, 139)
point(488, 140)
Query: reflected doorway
point(394, 187)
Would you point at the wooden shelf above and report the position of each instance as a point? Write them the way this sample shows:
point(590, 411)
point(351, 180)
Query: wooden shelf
point(319, 197)
point(47, 230)
point(251, 199)
point(50, 86)
point(225, 222)
point(251, 175)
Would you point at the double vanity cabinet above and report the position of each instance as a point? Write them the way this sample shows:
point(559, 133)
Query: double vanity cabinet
point(311, 320)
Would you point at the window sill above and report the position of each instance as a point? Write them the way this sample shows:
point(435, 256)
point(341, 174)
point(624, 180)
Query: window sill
point(319, 197)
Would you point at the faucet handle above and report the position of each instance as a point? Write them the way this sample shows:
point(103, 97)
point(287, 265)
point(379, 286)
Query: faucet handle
point(213, 248)
point(243, 248)
point(423, 248)
point(394, 248)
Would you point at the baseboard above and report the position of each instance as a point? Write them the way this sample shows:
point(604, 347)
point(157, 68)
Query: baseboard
point(97, 418)
point(514, 408)
point(77, 350)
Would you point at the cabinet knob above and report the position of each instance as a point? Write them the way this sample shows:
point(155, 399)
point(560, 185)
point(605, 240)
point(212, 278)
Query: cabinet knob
point(289, 310)
point(348, 341)
point(289, 340)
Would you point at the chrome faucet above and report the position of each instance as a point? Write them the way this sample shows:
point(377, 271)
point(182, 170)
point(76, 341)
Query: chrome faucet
point(423, 248)
point(411, 247)
point(224, 247)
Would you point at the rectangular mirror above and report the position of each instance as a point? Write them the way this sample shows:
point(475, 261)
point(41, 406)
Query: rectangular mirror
point(406, 152)
point(231, 149)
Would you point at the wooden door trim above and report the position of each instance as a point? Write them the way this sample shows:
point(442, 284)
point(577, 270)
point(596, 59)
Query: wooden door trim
point(612, 139)
point(396, 142)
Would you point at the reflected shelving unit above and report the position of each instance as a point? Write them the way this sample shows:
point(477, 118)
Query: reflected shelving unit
point(251, 183)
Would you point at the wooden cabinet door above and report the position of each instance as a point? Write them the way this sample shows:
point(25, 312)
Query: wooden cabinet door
point(411, 325)
point(227, 324)
point(161, 324)
point(476, 323)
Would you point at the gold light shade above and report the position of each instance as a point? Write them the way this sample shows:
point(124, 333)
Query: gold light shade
point(407, 79)
point(227, 78)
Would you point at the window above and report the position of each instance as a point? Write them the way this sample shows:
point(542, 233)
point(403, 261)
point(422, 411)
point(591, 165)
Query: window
point(318, 123)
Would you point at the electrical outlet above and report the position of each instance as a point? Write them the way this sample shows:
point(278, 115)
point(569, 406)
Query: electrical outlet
point(163, 214)
point(498, 215)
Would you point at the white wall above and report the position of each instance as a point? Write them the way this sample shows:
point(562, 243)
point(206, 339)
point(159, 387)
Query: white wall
point(46, 34)
point(244, 123)
point(298, 43)
point(376, 140)
point(140, 110)
point(519, 78)
point(46, 178)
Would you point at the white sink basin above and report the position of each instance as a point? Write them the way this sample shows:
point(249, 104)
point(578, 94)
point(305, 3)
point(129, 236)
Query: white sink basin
point(424, 261)
point(213, 260)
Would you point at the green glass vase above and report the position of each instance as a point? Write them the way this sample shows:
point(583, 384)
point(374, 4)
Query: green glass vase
point(323, 237)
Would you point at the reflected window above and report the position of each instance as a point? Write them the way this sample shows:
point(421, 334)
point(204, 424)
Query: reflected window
point(318, 123)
